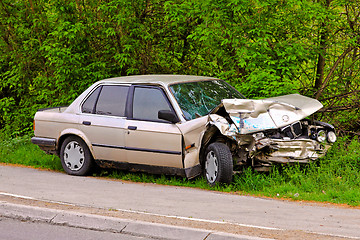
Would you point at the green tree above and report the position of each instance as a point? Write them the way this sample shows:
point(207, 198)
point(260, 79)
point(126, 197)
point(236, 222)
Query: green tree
point(51, 50)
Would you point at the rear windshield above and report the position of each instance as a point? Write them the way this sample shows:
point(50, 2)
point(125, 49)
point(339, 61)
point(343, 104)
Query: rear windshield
point(197, 99)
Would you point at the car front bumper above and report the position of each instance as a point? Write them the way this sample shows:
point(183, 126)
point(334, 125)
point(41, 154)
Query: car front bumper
point(288, 151)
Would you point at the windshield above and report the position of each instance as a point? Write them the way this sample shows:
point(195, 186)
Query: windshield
point(199, 98)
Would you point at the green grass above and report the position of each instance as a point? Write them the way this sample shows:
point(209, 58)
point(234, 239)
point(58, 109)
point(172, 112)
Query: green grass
point(21, 151)
point(334, 178)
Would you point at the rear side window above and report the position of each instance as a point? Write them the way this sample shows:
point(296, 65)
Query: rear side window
point(111, 101)
point(89, 104)
point(148, 102)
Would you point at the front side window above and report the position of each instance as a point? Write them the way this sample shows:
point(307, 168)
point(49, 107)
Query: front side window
point(197, 99)
point(148, 102)
point(107, 100)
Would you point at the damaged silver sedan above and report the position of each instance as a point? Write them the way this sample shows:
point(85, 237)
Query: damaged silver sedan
point(180, 125)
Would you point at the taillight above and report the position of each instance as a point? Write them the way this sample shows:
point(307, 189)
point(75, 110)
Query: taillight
point(34, 125)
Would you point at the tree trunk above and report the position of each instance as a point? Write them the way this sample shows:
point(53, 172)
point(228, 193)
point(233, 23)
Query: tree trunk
point(332, 70)
point(321, 58)
point(322, 54)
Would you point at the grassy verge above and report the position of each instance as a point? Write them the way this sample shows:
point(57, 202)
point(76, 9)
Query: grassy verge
point(21, 151)
point(334, 178)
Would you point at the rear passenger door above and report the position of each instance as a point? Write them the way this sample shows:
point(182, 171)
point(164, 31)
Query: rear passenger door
point(150, 140)
point(103, 121)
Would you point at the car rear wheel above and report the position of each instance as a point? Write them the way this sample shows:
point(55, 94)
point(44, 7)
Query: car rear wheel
point(75, 156)
point(218, 164)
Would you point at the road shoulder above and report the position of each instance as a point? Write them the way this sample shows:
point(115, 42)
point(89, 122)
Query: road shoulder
point(136, 224)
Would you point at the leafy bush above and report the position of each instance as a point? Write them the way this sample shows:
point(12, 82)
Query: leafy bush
point(51, 50)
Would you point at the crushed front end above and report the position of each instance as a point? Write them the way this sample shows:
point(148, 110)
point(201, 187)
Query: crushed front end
point(275, 130)
point(301, 141)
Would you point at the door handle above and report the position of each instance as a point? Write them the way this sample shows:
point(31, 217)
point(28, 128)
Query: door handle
point(86, 123)
point(132, 127)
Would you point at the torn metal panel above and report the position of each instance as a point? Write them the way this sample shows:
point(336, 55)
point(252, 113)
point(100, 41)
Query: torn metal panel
point(288, 151)
point(222, 124)
point(251, 116)
point(229, 130)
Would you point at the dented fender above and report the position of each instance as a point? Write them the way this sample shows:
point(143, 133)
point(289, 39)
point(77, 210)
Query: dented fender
point(192, 132)
point(229, 130)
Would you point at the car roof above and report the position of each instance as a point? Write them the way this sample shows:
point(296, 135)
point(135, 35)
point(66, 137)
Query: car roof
point(162, 79)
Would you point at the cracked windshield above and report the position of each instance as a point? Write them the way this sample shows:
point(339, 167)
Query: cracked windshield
point(197, 99)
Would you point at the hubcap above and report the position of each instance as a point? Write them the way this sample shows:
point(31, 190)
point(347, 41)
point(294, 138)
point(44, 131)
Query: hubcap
point(211, 167)
point(74, 156)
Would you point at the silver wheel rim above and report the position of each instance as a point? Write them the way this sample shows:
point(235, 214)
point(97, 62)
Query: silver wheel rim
point(211, 167)
point(74, 156)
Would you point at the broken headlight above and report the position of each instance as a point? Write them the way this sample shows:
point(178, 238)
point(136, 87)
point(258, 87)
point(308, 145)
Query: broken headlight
point(331, 137)
point(321, 136)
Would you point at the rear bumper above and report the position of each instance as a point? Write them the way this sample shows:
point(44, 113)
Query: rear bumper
point(48, 145)
point(48, 142)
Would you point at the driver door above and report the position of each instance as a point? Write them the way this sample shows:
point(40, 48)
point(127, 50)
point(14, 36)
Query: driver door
point(150, 140)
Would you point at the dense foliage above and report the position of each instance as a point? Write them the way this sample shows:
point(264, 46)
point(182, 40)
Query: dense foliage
point(51, 50)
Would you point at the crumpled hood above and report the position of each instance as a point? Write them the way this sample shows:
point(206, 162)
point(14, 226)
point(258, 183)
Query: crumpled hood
point(251, 115)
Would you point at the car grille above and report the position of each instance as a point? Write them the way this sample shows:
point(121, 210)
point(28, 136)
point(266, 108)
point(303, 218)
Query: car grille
point(292, 131)
point(297, 128)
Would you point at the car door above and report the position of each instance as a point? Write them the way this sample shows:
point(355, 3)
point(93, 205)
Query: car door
point(150, 140)
point(102, 120)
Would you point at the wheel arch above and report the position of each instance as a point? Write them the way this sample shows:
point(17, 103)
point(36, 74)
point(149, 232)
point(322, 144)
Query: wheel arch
point(212, 134)
point(74, 132)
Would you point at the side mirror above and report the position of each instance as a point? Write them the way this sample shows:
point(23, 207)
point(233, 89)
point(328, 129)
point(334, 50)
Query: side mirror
point(168, 116)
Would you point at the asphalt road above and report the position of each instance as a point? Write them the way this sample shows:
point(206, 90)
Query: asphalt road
point(24, 230)
point(197, 206)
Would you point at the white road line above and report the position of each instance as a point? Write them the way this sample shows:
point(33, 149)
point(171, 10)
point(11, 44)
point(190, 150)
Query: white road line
point(38, 199)
point(199, 220)
point(17, 196)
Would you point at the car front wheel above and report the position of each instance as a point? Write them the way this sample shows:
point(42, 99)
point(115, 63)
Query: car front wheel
point(218, 164)
point(75, 156)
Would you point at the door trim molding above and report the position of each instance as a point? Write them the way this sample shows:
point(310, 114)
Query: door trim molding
point(137, 149)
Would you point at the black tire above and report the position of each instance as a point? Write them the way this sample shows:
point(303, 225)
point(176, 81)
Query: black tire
point(75, 156)
point(218, 164)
